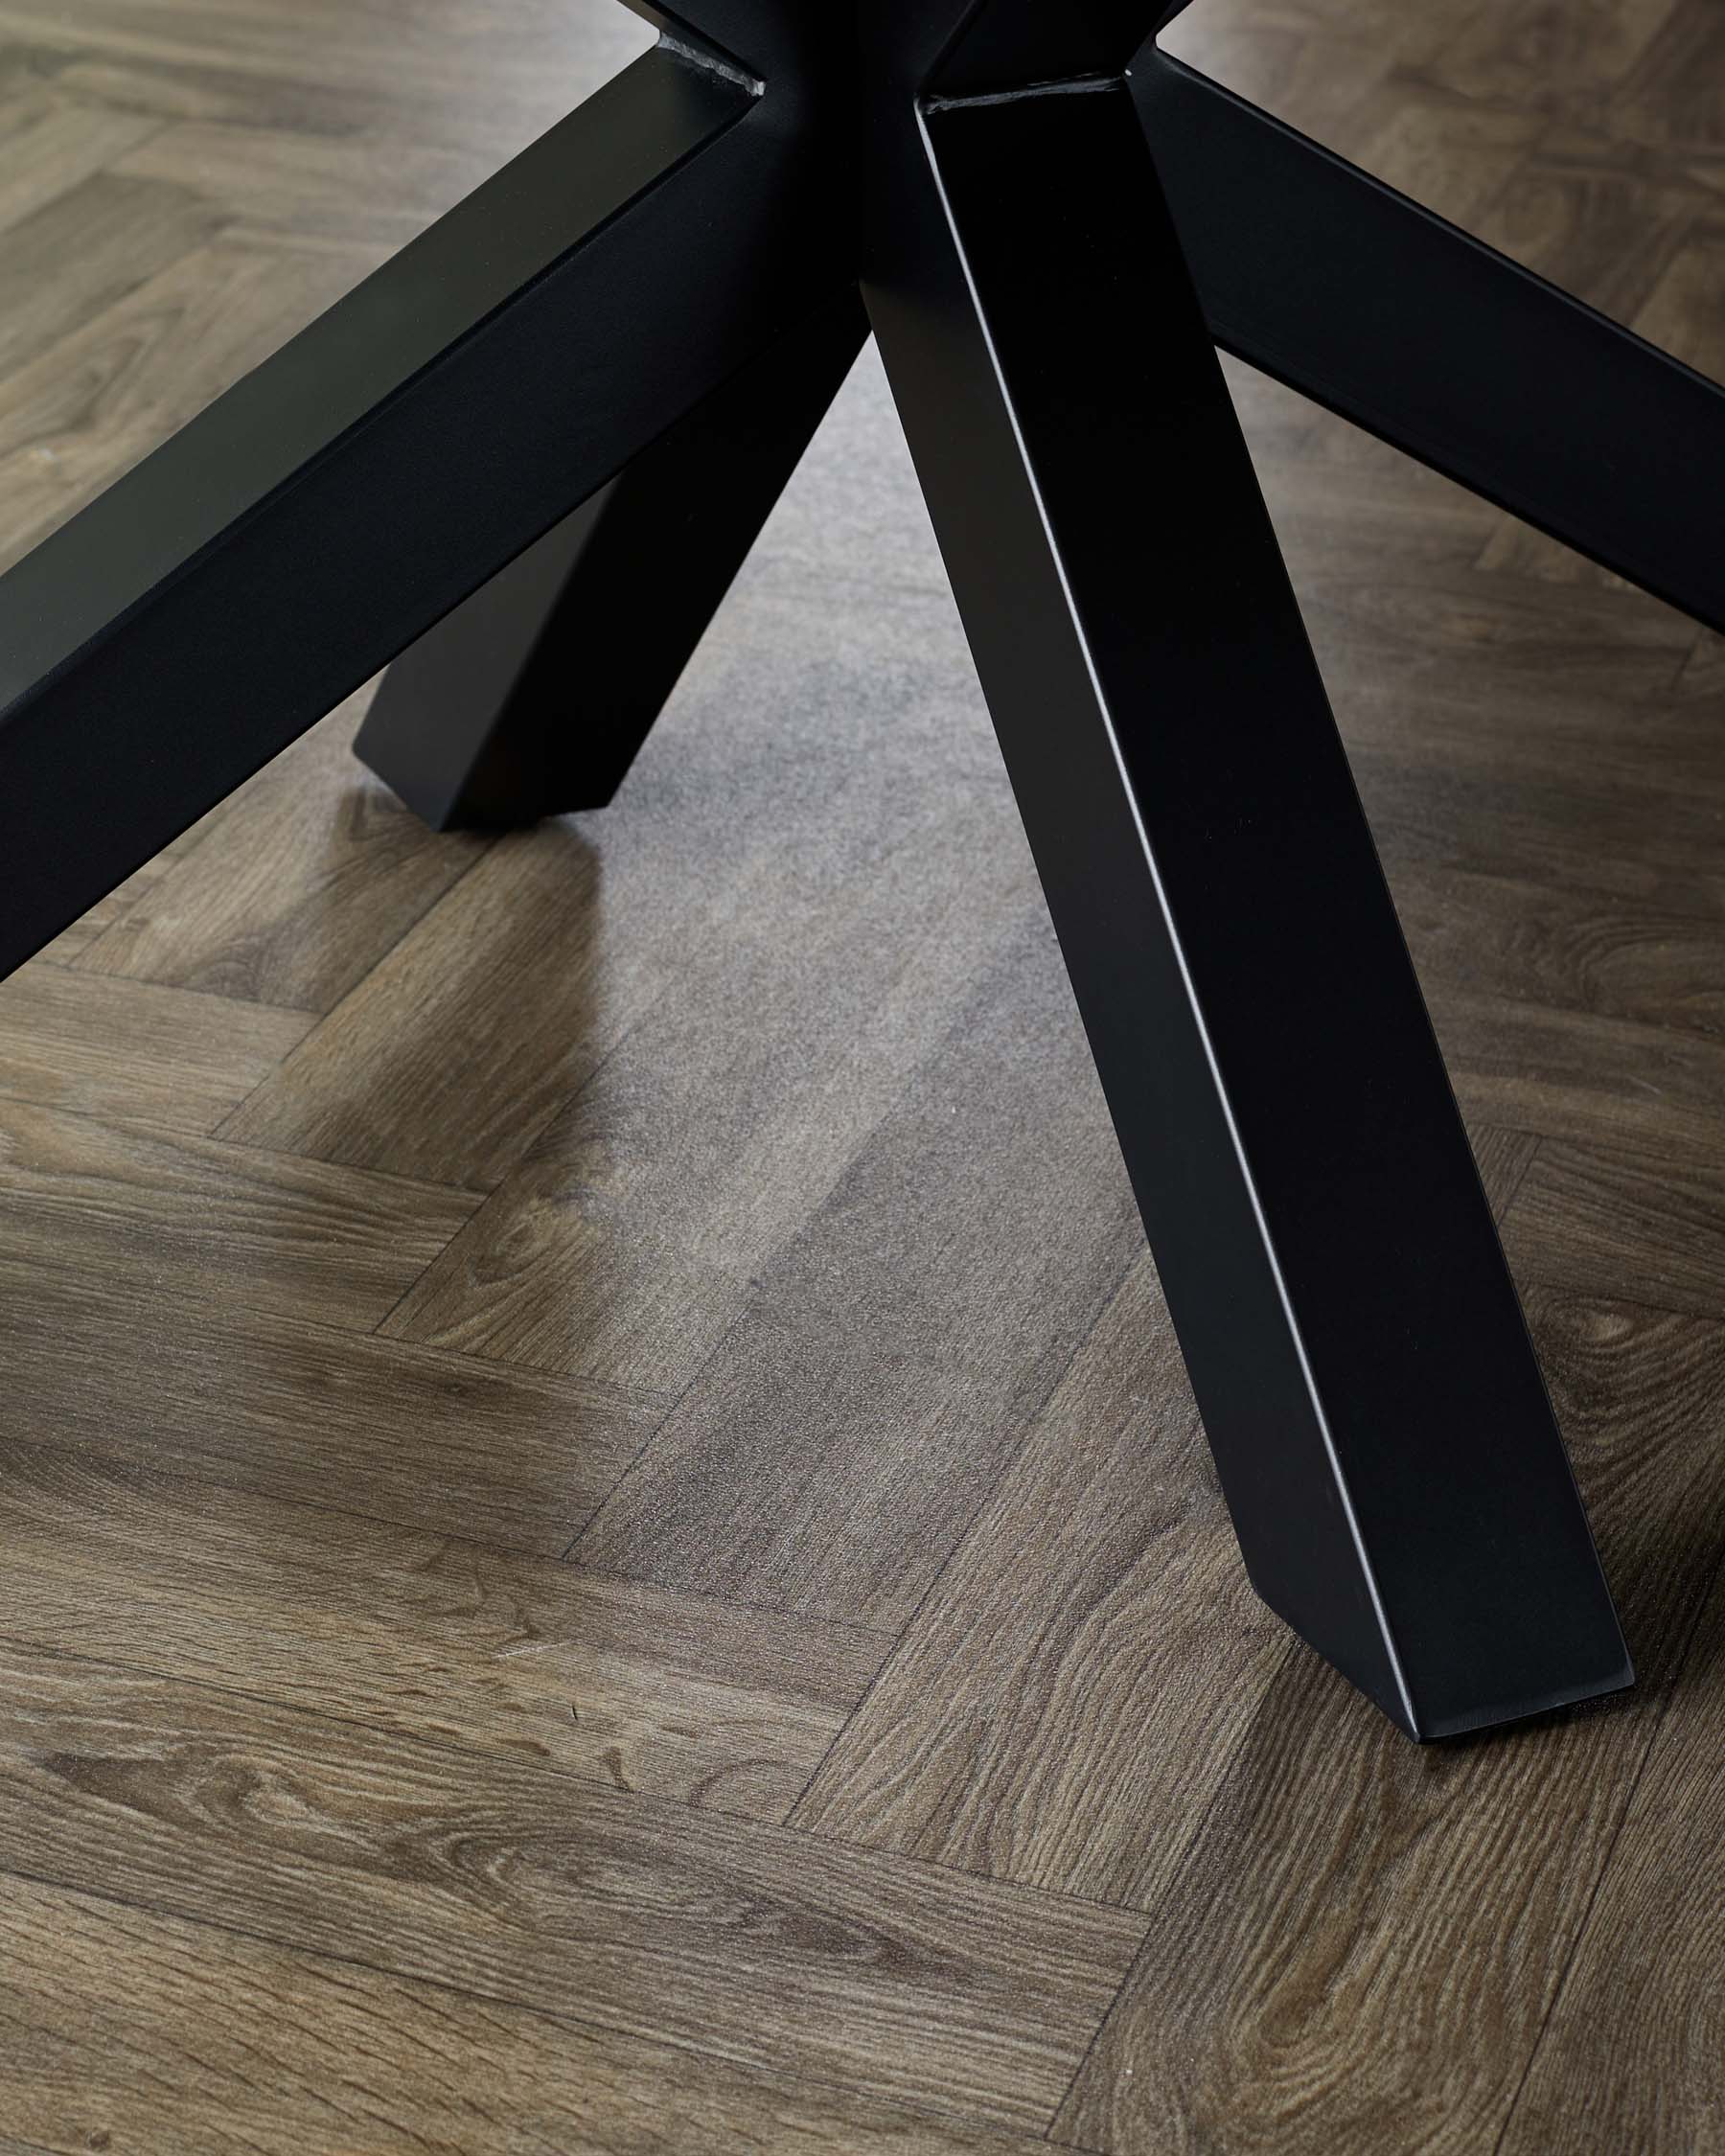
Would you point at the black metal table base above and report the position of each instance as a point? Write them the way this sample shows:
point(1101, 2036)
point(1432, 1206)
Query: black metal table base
point(530, 454)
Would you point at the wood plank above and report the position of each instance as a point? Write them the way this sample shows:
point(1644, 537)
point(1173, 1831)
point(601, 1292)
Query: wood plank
point(310, 1415)
point(1449, 153)
point(628, 1242)
point(123, 1048)
point(1468, 639)
point(1570, 1074)
point(816, 1473)
point(1524, 940)
point(50, 144)
point(1594, 218)
point(1373, 507)
point(1073, 1686)
point(1673, 98)
point(82, 251)
point(1684, 315)
point(155, 1211)
point(989, 1218)
point(1635, 850)
point(212, 86)
point(1570, 59)
point(534, 52)
point(136, 2032)
point(755, 799)
point(1633, 2056)
point(514, 1883)
point(316, 872)
point(1503, 1159)
point(365, 189)
point(1308, 63)
point(893, 1356)
point(461, 1043)
point(423, 1635)
point(424, 100)
point(95, 401)
point(73, 941)
point(1703, 679)
point(1608, 1221)
point(1070, 1693)
point(1363, 1939)
point(1629, 778)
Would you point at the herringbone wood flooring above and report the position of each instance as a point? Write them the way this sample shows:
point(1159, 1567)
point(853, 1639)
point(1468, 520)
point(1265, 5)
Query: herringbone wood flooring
point(605, 1543)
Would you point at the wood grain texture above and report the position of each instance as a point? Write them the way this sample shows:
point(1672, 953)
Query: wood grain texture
point(1672, 99)
point(102, 395)
point(605, 1543)
point(301, 881)
point(1363, 1939)
point(1686, 312)
point(1387, 634)
point(357, 189)
point(887, 1395)
point(315, 1414)
point(1094, 1622)
point(1633, 2056)
point(1607, 1221)
point(403, 1075)
point(1703, 679)
point(81, 252)
point(125, 1049)
point(130, 2030)
point(568, 935)
point(424, 1635)
point(1569, 57)
point(54, 142)
point(1572, 1074)
point(518, 1884)
point(224, 1226)
point(1556, 944)
point(79, 936)
point(627, 1244)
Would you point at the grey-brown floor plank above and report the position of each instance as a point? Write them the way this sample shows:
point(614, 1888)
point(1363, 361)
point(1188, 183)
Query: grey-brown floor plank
point(1363, 1939)
point(841, 1440)
point(448, 1641)
point(132, 2030)
point(156, 1212)
point(315, 1414)
point(511, 1882)
point(133, 1049)
point(628, 1242)
point(300, 884)
point(1633, 2056)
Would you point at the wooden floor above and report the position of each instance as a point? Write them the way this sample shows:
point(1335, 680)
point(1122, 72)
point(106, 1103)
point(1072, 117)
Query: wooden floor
point(604, 1546)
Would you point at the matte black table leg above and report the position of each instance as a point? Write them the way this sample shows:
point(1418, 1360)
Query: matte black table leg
point(1325, 278)
point(536, 694)
point(646, 314)
point(1377, 1416)
point(338, 501)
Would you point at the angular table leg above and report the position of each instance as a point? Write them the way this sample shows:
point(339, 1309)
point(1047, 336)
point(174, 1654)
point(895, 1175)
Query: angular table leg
point(342, 498)
point(536, 694)
point(1369, 1392)
point(1327, 279)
